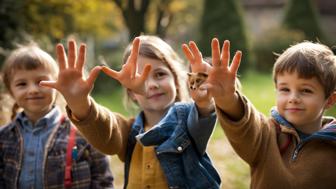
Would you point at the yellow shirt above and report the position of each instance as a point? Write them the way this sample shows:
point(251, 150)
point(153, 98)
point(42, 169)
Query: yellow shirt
point(145, 170)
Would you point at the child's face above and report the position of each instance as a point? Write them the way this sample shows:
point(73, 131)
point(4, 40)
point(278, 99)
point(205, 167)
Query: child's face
point(160, 86)
point(300, 101)
point(34, 99)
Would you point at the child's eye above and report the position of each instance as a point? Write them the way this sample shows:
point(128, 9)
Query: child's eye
point(307, 91)
point(160, 74)
point(21, 84)
point(284, 89)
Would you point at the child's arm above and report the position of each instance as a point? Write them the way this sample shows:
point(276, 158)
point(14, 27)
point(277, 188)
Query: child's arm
point(105, 130)
point(202, 98)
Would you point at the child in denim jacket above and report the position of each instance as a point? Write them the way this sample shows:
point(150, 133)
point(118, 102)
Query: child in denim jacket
point(34, 147)
point(165, 145)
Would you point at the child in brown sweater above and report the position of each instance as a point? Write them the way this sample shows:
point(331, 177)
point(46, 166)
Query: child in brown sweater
point(296, 146)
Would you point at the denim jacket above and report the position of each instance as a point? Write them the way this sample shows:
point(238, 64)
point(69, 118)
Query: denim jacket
point(180, 141)
point(89, 170)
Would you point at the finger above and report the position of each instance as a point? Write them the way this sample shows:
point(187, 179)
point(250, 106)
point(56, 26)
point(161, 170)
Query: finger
point(134, 56)
point(72, 53)
point(81, 57)
point(93, 75)
point(215, 52)
point(225, 55)
point(49, 84)
point(187, 52)
point(145, 72)
point(236, 62)
point(61, 56)
point(112, 73)
point(196, 52)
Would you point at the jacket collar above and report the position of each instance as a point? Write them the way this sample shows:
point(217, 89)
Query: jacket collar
point(166, 126)
point(328, 131)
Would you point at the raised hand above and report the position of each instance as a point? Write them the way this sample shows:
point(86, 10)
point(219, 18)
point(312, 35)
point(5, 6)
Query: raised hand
point(128, 75)
point(195, 58)
point(197, 64)
point(222, 75)
point(71, 82)
point(221, 81)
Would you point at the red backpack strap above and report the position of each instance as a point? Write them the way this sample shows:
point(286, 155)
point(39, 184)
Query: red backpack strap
point(282, 146)
point(71, 154)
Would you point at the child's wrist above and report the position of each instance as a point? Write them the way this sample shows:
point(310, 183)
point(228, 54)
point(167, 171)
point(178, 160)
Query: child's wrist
point(205, 108)
point(80, 111)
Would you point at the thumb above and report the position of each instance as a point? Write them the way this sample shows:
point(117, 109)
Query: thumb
point(93, 75)
point(109, 72)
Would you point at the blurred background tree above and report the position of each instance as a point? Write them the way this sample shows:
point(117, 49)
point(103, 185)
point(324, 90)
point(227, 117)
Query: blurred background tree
point(149, 16)
point(302, 15)
point(224, 19)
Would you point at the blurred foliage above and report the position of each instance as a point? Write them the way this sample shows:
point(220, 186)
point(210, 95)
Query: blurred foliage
point(302, 15)
point(224, 19)
point(150, 16)
point(273, 42)
point(49, 21)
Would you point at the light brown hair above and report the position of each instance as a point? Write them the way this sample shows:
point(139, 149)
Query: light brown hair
point(309, 60)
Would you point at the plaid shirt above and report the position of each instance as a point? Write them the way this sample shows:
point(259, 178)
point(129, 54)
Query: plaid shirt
point(89, 170)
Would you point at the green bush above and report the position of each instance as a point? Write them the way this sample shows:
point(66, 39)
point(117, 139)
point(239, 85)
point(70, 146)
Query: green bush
point(273, 42)
point(303, 15)
point(224, 19)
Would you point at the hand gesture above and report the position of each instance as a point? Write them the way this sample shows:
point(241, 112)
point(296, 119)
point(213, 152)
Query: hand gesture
point(221, 80)
point(128, 75)
point(71, 82)
point(195, 58)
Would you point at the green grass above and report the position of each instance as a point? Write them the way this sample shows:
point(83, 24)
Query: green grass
point(259, 89)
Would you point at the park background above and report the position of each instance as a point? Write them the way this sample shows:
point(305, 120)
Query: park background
point(259, 28)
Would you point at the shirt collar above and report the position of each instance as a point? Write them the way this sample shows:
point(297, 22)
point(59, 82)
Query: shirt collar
point(49, 120)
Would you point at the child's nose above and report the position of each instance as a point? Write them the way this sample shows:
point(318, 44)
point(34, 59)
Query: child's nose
point(294, 98)
point(152, 84)
point(34, 88)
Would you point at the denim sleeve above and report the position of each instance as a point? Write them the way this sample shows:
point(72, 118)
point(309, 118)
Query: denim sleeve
point(200, 129)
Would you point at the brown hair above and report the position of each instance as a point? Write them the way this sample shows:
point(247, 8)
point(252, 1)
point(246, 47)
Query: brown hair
point(155, 48)
point(29, 57)
point(309, 60)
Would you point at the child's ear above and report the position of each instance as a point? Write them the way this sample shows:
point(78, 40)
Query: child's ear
point(331, 100)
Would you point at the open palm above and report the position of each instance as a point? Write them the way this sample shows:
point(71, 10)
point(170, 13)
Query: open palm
point(71, 82)
point(128, 75)
point(221, 81)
